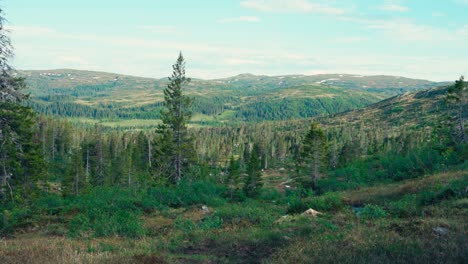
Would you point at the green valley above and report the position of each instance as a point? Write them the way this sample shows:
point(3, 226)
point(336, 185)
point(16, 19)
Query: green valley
point(271, 167)
point(112, 98)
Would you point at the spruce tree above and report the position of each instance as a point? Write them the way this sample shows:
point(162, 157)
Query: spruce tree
point(20, 161)
point(457, 97)
point(313, 152)
point(234, 171)
point(175, 144)
point(253, 181)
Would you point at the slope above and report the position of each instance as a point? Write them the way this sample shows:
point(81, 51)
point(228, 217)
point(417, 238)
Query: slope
point(107, 96)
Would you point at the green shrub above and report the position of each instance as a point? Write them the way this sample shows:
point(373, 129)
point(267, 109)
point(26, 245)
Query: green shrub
point(55, 230)
point(405, 207)
point(49, 204)
point(270, 194)
point(326, 202)
point(78, 226)
point(372, 212)
point(186, 193)
point(250, 213)
point(211, 222)
point(106, 212)
point(296, 205)
point(185, 225)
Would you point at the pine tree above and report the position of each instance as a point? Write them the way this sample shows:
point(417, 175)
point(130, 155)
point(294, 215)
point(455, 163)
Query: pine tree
point(234, 171)
point(253, 181)
point(313, 153)
point(175, 143)
point(20, 160)
point(457, 97)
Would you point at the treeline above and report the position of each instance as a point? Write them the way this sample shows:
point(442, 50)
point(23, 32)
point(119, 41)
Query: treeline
point(93, 157)
point(67, 108)
point(62, 102)
point(295, 108)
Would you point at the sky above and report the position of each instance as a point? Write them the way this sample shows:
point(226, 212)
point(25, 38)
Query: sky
point(424, 39)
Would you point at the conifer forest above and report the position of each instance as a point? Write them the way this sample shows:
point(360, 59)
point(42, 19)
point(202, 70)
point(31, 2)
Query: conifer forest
point(100, 167)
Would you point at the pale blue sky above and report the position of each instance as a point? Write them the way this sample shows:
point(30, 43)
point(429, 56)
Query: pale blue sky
point(219, 38)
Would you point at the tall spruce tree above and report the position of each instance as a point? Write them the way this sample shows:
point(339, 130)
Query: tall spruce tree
point(175, 144)
point(313, 153)
point(457, 97)
point(234, 171)
point(20, 160)
point(253, 181)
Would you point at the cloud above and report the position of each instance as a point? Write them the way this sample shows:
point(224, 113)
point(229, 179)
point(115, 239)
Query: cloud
point(404, 29)
point(394, 8)
point(238, 61)
point(70, 59)
point(291, 6)
point(250, 19)
point(158, 28)
point(438, 14)
point(30, 30)
point(350, 39)
point(463, 2)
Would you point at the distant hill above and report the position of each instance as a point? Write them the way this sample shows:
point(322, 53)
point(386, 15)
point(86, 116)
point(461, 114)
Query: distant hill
point(245, 97)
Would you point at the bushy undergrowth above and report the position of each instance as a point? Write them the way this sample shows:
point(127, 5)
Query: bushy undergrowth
point(389, 168)
point(109, 211)
point(372, 212)
point(326, 202)
point(185, 193)
point(249, 213)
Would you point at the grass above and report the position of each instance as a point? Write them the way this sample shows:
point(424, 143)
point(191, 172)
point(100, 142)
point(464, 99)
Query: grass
point(177, 230)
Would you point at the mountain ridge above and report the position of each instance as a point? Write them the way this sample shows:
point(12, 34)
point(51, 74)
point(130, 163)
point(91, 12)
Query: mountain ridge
point(245, 97)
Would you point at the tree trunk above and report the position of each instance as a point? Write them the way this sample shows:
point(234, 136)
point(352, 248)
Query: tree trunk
point(461, 126)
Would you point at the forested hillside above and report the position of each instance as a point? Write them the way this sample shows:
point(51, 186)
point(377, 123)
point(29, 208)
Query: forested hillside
point(88, 96)
point(396, 165)
point(105, 168)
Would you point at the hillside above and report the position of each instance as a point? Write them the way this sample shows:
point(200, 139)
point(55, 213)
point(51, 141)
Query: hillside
point(397, 194)
point(106, 96)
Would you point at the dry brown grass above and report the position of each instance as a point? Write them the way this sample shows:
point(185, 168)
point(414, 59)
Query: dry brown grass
point(34, 248)
point(369, 194)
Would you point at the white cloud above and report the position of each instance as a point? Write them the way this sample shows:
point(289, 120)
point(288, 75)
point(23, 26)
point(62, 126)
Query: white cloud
point(30, 30)
point(350, 39)
point(463, 32)
point(438, 14)
point(158, 28)
point(394, 8)
point(251, 19)
point(71, 59)
point(405, 30)
point(291, 6)
point(463, 2)
point(240, 61)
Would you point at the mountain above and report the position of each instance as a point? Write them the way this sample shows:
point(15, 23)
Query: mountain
point(245, 97)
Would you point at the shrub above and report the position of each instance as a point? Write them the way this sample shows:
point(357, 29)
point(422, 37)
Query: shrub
point(185, 225)
point(371, 212)
point(405, 207)
point(186, 193)
point(250, 213)
point(211, 222)
point(326, 202)
point(296, 205)
point(270, 194)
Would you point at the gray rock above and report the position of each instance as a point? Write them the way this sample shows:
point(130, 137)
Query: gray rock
point(205, 209)
point(440, 231)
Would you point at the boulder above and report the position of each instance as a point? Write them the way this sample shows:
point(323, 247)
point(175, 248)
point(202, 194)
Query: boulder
point(440, 231)
point(205, 209)
point(284, 218)
point(311, 212)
